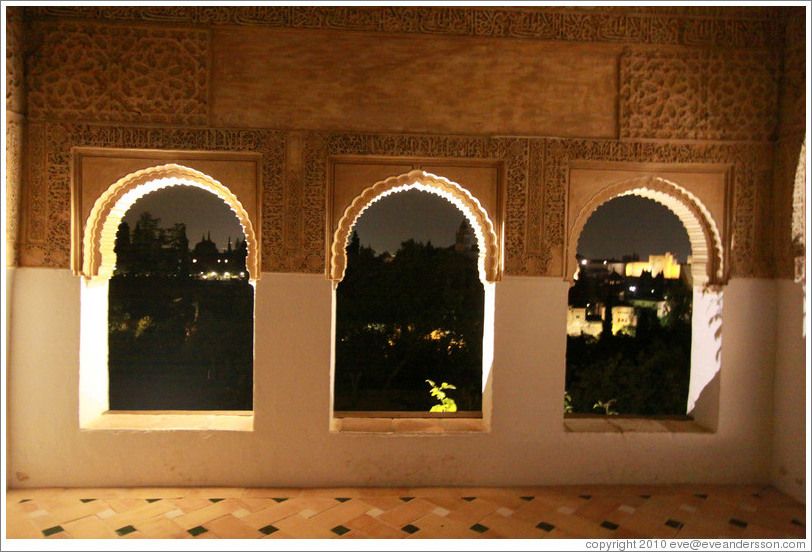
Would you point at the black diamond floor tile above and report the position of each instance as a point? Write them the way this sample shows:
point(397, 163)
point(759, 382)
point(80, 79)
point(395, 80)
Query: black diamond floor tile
point(340, 530)
point(126, 530)
point(86, 500)
point(544, 526)
point(342, 499)
point(52, 530)
point(406, 498)
point(738, 522)
point(411, 529)
point(674, 523)
point(215, 499)
point(469, 498)
point(195, 531)
point(479, 528)
point(610, 525)
point(268, 529)
point(280, 499)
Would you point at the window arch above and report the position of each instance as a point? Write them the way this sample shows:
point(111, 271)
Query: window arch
point(708, 270)
point(706, 245)
point(488, 262)
point(98, 262)
point(481, 224)
point(98, 256)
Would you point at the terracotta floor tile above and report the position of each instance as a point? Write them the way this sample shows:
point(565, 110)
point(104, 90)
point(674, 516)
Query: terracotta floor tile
point(407, 512)
point(508, 527)
point(301, 528)
point(271, 492)
point(161, 528)
point(199, 517)
point(189, 504)
point(255, 504)
point(144, 511)
point(341, 513)
point(122, 504)
point(373, 528)
point(20, 527)
point(582, 511)
point(229, 527)
point(383, 502)
point(89, 528)
point(273, 513)
point(440, 527)
point(469, 512)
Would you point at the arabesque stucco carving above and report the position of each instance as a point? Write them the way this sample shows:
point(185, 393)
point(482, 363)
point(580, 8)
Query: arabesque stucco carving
point(488, 259)
point(95, 72)
point(672, 25)
point(708, 267)
point(98, 243)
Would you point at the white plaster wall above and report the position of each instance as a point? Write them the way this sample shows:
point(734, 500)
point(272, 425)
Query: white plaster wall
point(291, 444)
point(790, 450)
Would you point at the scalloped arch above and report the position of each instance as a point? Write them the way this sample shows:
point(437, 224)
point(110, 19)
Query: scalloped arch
point(706, 245)
point(98, 257)
point(488, 261)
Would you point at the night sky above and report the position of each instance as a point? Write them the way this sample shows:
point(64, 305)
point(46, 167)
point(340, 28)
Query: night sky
point(202, 212)
point(633, 224)
point(409, 214)
point(622, 226)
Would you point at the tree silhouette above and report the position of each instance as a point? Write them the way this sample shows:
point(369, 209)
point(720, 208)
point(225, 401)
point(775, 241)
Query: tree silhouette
point(406, 318)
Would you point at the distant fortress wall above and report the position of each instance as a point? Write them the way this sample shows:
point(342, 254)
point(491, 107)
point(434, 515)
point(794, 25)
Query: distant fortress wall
point(656, 264)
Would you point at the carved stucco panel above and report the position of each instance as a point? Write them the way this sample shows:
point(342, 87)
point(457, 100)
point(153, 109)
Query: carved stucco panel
point(742, 27)
point(698, 95)
point(294, 207)
point(751, 164)
point(14, 152)
point(15, 75)
point(792, 113)
point(94, 72)
point(46, 232)
point(511, 151)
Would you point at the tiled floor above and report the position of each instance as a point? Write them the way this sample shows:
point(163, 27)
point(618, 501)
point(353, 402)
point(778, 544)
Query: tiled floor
point(394, 513)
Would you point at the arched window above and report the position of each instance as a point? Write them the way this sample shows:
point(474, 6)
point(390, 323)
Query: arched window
point(180, 313)
point(170, 306)
point(413, 302)
point(643, 333)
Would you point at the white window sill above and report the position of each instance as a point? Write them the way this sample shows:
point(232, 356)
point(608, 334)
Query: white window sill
point(408, 425)
point(622, 424)
point(174, 420)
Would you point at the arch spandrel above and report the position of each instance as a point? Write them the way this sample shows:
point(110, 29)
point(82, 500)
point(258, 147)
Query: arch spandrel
point(708, 268)
point(488, 261)
point(98, 255)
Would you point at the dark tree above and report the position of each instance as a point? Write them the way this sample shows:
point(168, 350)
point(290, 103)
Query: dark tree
point(406, 318)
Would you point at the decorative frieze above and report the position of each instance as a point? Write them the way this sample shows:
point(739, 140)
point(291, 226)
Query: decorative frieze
point(751, 164)
point(14, 151)
point(47, 233)
point(743, 27)
point(114, 73)
point(698, 95)
point(294, 167)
